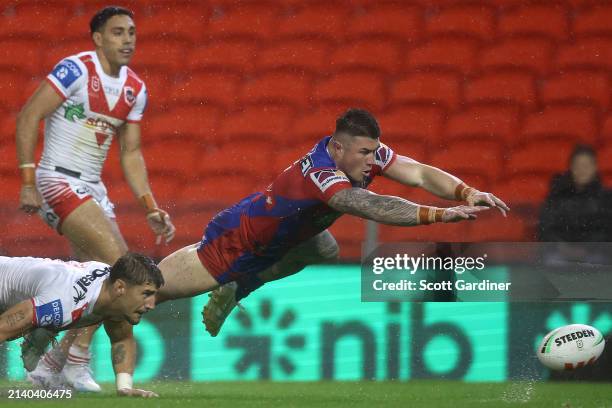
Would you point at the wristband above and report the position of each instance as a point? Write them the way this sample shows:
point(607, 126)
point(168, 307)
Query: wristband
point(27, 166)
point(429, 215)
point(157, 212)
point(28, 176)
point(463, 191)
point(124, 381)
point(148, 203)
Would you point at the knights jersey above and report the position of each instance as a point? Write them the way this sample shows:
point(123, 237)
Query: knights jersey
point(253, 234)
point(79, 133)
point(62, 293)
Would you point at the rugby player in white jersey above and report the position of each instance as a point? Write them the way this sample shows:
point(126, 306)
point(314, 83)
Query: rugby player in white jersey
point(86, 101)
point(57, 295)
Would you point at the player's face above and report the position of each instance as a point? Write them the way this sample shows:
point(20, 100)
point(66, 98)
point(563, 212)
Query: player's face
point(583, 169)
point(356, 157)
point(118, 40)
point(138, 300)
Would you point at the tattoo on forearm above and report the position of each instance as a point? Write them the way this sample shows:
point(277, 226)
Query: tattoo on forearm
point(13, 319)
point(385, 209)
point(118, 354)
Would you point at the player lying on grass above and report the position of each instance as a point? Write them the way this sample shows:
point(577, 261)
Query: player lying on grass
point(57, 295)
point(276, 233)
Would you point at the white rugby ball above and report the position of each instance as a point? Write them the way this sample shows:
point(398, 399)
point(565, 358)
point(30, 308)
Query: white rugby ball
point(569, 347)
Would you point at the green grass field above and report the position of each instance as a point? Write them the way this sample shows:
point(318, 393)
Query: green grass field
point(432, 394)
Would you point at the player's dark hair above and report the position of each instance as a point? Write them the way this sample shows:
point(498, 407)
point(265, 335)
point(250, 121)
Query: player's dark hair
point(102, 16)
point(136, 269)
point(358, 122)
point(583, 149)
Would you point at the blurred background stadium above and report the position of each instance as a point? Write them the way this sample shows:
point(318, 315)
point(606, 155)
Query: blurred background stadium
point(496, 92)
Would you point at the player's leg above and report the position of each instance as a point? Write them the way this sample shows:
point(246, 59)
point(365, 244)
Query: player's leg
point(93, 235)
point(107, 254)
point(47, 373)
point(319, 249)
point(91, 232)
point(184, 275)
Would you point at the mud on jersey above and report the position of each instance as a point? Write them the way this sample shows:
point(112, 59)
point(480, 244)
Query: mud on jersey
point(79, 133)
point(62, 293)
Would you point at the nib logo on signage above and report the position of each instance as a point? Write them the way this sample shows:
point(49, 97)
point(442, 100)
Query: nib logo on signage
point(579, 313)
point(261, 330)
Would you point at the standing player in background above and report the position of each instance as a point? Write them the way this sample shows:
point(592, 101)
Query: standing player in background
point(86, 101)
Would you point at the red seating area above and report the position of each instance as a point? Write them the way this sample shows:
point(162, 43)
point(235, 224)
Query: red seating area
point(496, 92)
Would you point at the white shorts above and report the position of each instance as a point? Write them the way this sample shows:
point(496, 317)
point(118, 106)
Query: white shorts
point(62, 194)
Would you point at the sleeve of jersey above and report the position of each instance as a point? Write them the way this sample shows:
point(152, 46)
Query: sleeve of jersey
point(51, 311)
point(66, 77)
point(328, 182)
point(383, 158)
point(139, 107)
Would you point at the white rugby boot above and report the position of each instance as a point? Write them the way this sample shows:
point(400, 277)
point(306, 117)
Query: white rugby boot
point(79, 377)
point(44, 377)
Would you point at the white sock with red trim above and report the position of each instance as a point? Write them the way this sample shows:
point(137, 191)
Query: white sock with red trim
point(54, 359)
point(78, 355)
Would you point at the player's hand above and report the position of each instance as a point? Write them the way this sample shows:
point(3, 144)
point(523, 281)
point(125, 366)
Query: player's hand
point(29, 199)
point(462, 212)
point(135, 392)
point(487, 199)
point(160, 223)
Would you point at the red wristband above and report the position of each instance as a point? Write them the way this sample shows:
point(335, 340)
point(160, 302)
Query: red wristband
point(429, 215)
point(148, 203)
point(463, 191)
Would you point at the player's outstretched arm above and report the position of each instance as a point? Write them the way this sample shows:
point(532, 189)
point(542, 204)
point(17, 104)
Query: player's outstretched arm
point(395, 210)
point(412, 173)
point(44, 101)
point(123, 356)
point(16, 321)
point(135, 171)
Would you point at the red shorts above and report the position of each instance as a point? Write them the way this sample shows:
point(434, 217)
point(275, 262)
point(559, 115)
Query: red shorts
point(62, 194)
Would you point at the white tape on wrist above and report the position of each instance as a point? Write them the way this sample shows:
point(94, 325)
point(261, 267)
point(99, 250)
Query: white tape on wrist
point(124, 381)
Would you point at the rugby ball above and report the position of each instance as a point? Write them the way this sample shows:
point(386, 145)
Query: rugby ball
point(570, 347)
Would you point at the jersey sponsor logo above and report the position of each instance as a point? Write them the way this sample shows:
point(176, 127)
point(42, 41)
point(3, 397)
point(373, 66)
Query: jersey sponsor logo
point(66, 72)
point(324, 179)
point(110, 90)
point(72, 111)
point(50, 314)
point(101, 125)
point(81, 286)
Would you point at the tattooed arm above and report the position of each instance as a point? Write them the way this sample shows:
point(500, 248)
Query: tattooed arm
point(16, 321)
point(123, 356)
point(394, 210)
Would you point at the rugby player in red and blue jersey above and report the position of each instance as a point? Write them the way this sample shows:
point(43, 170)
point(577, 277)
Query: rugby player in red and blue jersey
point(275, 233)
